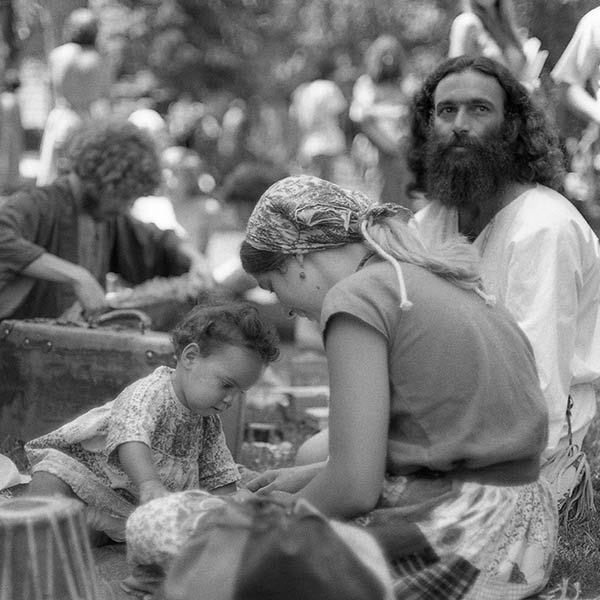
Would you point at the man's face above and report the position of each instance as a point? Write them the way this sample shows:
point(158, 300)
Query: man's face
point(469, 156)
point(467, 103)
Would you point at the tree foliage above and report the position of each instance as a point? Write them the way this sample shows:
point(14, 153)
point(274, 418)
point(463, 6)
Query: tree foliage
point(261, 47)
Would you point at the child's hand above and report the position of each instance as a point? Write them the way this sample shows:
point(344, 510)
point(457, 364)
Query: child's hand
point(149, 490)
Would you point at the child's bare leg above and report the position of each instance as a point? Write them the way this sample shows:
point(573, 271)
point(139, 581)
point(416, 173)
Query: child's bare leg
point(46, 484)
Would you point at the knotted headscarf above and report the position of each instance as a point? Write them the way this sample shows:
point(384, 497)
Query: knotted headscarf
point(304, 214)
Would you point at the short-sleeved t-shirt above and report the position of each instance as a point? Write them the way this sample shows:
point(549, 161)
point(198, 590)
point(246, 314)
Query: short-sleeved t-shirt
point(580, 62)
point(464, 392)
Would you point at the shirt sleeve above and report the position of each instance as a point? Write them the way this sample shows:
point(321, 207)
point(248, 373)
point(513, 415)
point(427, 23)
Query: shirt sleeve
point(542, 288)
point(581, 57)
point(20, 219)
point(216, 466)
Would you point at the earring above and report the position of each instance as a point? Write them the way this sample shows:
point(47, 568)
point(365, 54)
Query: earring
point(302, 275)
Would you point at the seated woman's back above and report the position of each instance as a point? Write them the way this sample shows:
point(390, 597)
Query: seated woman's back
point(464, 389)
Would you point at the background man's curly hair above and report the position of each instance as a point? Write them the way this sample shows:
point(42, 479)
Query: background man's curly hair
point(537, 155)
point(114, 159)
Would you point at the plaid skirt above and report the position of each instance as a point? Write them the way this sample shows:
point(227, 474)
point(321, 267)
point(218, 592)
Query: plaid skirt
point(453, 539)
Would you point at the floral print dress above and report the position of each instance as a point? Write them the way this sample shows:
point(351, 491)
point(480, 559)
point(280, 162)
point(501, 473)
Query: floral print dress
point(189, 451)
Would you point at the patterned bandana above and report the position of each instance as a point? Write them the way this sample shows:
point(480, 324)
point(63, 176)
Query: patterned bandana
point(303, 214)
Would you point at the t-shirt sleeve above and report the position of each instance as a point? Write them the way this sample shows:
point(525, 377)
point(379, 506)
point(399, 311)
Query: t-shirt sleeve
point(542, 293)
point(20, 219)
point(364, 297)
point(581, 57)
point(216, 466)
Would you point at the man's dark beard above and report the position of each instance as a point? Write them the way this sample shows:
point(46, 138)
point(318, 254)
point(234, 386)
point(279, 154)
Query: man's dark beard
point(468, 172)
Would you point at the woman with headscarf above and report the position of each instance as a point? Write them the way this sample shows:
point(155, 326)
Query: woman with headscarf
point(436, 419)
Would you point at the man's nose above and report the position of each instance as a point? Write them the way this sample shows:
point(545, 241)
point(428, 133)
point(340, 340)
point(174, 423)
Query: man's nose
point(462, 123)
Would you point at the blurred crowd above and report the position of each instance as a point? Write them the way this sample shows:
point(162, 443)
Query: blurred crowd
point(217, 155)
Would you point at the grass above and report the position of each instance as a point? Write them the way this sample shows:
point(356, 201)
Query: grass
point(577, 564)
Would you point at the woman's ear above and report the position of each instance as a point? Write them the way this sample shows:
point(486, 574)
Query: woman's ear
point(189, 354)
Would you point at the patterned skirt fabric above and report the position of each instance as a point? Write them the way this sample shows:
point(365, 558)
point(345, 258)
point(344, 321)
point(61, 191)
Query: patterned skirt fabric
point(454, 539)
point(444, 538)
point(158, 530)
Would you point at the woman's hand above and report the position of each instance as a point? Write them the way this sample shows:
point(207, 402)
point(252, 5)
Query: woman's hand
point(149, 490)
point(290, 479)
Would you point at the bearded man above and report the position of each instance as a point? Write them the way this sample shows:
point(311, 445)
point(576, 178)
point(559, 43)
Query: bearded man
point(490, 166)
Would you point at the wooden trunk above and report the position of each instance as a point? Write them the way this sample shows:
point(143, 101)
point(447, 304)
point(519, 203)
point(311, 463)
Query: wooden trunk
point(51, 372)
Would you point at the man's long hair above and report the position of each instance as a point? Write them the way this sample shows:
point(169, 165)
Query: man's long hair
point(537, 156)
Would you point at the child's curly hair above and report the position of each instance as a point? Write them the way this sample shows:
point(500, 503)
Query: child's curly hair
point(114, 159)
point(212, 326)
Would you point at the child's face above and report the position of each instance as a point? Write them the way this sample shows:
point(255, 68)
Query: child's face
point(208, 385)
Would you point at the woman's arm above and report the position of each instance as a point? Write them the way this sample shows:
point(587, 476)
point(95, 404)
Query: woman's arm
point(464, 34)
point(351, 481)
point(136, 460)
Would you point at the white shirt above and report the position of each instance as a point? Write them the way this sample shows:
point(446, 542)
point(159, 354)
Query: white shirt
point(580, 62)
point(542, 260)
point(316, 106)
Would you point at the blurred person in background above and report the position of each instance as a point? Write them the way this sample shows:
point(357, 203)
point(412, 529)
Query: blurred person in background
point(12, 141)
point(489, 28)
point(380, 107)
point(239, 194)
point(577, 73)
point(80, 79)
point(315, 110)
point(58, 242)
point(157, 208)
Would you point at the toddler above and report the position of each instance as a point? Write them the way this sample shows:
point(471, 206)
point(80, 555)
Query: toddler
point(162, 433)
